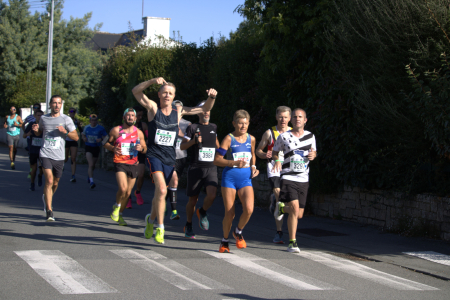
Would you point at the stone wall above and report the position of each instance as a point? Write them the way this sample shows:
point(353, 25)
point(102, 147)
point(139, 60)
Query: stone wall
point(389, 210)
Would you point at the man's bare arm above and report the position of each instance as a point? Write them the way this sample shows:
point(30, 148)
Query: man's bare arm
point(212, 93)
point(262, 144)
point(138, 92)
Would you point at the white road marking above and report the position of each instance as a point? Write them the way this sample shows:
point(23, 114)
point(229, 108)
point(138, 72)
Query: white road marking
point(432, 256)
point(63, 273)
point(271, 271)
point(359, 270)
point(170, 270)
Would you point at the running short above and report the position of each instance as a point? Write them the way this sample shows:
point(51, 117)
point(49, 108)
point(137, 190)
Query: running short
point(292, 190)
point(200, 177)
point(70, 144)
point(94, 150)
point(55, 165)
point(13, 140)
point(155, 165)
point(142, 158)
point(274, 182)
point(130, 170)
point(179, 165)
point(236, 178)
point(34, 157)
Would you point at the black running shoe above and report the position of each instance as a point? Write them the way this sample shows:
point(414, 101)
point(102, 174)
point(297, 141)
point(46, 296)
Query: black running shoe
point(50, 217)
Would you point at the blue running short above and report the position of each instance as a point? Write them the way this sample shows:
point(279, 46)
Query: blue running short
point(236, 178)
point(155, 165)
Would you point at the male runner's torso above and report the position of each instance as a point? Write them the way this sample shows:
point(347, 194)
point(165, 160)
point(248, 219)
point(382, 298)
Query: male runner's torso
point(127, 143)
point(162, 133)
point(203, 158)
point(274, 134)
point(54, 140)
point(12, 129)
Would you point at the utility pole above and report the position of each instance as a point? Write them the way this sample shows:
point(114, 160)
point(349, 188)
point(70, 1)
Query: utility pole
point(48, 93)
point(142, 9)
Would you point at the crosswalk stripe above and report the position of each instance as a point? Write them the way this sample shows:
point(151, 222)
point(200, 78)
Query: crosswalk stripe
point(63, 273)
point(365, 272)
point(170, 270)
point(271, 271)
point(432, 256)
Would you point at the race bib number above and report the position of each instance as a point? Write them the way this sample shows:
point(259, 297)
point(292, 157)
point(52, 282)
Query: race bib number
point(92, 139)
point(36, 142)
point(245, 156)
point(12, 128)
point(178, 143)
point(53, 143)
point(127, 148)
point(206, 154)
point(297, 161)
point(164, 137)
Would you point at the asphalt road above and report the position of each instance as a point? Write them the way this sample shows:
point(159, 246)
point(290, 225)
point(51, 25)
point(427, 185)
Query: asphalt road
point(85, 255)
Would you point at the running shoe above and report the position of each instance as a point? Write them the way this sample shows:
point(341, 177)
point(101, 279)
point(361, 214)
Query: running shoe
point(93, 185)
point(129, 203)
point(115, 213)
point(13, 166)
point(278, 214)
point(278, 239)
point(148, 232)
point(139, 199)
point(73, 179)
point(122, 221)
point(39, 180)
point(159, 236)
point(224, 248)
point(189, 232)
point(50, 217)
point(32, 187)
point(202, 220)
point(272, 203)
point(29, 176)
point(174, 215)
point(293, 247)
point(240, 242)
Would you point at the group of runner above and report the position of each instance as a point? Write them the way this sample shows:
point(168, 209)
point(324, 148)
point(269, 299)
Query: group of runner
point(162, 145)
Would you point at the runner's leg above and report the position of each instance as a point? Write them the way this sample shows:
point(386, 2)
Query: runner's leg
point(73, 159)
point(292, 208)
point(158, 202)
point(246, 195)
point(229, 196)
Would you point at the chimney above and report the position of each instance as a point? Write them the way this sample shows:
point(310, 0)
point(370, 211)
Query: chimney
point(156, 26)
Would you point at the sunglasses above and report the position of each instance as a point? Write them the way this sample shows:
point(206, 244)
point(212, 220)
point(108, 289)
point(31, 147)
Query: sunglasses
point(36, 107)
point(71, 111)
point(13, 109)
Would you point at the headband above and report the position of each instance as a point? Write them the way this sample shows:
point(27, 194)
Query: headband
point(129, 110)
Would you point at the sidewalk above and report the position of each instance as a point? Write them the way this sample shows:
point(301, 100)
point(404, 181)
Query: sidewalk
point(340, 237)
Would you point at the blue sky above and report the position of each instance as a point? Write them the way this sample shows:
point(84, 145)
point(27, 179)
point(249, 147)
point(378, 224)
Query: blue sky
point(196, 19)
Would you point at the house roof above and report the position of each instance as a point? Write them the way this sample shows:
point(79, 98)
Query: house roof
point(105, 40)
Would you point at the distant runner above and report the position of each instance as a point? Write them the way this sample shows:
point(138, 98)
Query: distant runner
point(72, 146)
point(34, 149)
point(12, 124)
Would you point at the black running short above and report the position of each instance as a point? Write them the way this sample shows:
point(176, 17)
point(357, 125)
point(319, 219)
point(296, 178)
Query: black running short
point(34, 157)
point(274, 182)
point(292, 190)
point(200, 177)
point(94, 150)
point(55, 165)
point(70, 144)
point(179, 165)
point(130, 170)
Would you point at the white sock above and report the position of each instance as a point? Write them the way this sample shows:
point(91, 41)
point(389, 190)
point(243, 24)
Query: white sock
point(118, 205)
point(225, 240)
point(238, 231)
point(160, 226)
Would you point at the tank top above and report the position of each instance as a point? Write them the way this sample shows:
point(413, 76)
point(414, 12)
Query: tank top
point(76, 123)
point(274, 134)
point(241, 151)
point(127, 143)
point(12, 129)
point(162, 136)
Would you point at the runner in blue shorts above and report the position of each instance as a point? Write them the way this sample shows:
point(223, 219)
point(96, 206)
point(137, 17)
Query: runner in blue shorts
point(163, 121)
point(237, 177)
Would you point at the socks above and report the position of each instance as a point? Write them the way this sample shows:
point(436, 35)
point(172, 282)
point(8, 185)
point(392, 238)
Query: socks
point(138, 192)
point(238, 231)
point(160, 226)
point(188, 224)
point(224, 240)
point(202, 211)
point(118, 205)
point(292, 241)
point(91, 179)
point(172, 195)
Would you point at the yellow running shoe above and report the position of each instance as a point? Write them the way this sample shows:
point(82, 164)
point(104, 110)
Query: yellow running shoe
point(148, 231)
point(115, 213)
point(122, 221)
point(159, 237)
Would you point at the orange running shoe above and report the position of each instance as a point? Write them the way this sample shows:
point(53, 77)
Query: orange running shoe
point(224, 248)
point(240, 242)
